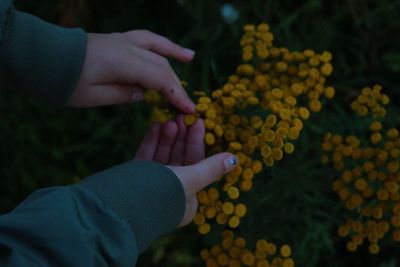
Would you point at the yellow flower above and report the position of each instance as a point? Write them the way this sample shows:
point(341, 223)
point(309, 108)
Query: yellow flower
point(277, 153)
point(222, 218)
point(256, 166)
point(218, 130)
point(313, 61)
point(209, 124)
point(228, 208)
point(240, 210)
point(263, 27)
point(288, 148)
point(204, 228)
point(315, 105)
point(329, 92)
point(234, 222)
point(326, 56)
point(376, 138)
point(213, 194)
point(392, 133)
point(246, 185)
point(277, 93)
point(205, 254)
point(293, 133)
point(202, 197)
point(285, 251)
point(199, 219)
point(210, 212)
point(247, 258)
point(343, 231)
point(233, 192)
point(201, 107)
point(290, 100)
point(351, 246)
point(209, 139)
point(190, 119)
point(373, 248)
point(222, 259)
point(235, 146)
point(285, 114)
point(326, 69)
point(288, 262)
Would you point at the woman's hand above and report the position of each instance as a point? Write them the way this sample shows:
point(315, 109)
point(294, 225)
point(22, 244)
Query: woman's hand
point(119, 66)
point(182, 150)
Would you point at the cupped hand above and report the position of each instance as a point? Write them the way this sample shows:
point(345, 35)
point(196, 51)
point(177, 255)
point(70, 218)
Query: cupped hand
point(119, 66)
point(181, 148)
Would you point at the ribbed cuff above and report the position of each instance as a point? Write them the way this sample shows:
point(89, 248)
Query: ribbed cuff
point(40, 59)
point(146, 194)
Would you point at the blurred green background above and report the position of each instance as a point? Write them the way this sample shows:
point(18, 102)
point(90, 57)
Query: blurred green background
point(293, 202)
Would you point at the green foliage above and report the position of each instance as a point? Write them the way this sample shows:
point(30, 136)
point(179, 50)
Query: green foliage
point(293, 202)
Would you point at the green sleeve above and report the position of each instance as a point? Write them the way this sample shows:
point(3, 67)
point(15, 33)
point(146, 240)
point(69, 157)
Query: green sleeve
point(38, 58)
point(106, 220)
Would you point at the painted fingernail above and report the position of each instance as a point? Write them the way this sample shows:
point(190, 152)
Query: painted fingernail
point(189, 52)
point(230, 163)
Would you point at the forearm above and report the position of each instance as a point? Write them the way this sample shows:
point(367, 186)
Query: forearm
point(107, 220)
point(38, 58)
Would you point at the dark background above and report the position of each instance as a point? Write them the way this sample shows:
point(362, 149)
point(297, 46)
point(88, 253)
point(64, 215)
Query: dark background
point(293, 202)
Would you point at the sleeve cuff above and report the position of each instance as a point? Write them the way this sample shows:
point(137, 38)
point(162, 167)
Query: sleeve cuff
point(146, 194)
point(41, 59)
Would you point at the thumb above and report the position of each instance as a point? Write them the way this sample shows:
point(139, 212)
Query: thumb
point(196, 177)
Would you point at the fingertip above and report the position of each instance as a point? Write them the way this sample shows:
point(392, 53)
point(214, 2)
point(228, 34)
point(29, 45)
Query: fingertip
point(230, 162)
point(198, 125)
point(169, 129)
point(188, 54)
point(155, 126)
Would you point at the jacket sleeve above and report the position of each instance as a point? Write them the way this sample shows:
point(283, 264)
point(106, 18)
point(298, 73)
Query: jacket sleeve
point(38, 58)
point(106, 220)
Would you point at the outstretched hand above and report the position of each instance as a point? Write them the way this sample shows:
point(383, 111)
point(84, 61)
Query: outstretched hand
point(119, 66)
point(181, 148)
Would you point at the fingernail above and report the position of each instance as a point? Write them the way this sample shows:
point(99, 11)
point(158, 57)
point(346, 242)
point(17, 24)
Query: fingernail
point(189, 52)
point(230, 163)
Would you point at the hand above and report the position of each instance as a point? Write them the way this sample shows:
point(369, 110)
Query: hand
point(176, 145)
point(119, 66)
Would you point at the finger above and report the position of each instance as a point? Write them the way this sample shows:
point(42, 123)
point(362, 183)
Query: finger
point(178, 149)
point(137, 95)
point(198, 176)
point(194, 149)
point(165, 142)
point(160, 45)
point(152, 71)
point(107, 94)
point(190, 211)
point(147, 148)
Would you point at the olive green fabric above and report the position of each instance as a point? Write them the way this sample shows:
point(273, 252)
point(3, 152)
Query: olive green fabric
point(106, 220)
point(38, 58)
point(146, 194)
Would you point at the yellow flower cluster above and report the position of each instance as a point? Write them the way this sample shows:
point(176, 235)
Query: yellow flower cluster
point(369, 179)
point(160, 112)
point(256, 115)
point(279, 88)
point(223, 212)
point(370, 100)
point(232, 252)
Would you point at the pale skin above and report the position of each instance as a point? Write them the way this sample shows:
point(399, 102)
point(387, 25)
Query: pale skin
point(118, 67)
